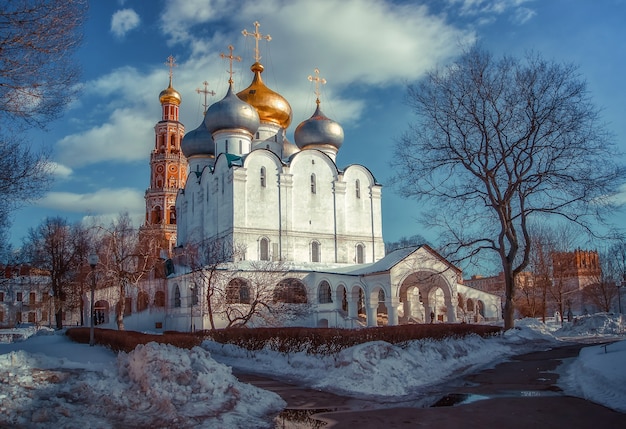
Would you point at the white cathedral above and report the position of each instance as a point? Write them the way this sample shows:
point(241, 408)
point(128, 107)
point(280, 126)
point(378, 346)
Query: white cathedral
point(236, 183)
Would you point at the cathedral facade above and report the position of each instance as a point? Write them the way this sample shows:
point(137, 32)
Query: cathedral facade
point(265, 201)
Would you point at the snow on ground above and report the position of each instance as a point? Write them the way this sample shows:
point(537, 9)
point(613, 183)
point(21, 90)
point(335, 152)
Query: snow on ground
point(45, 379)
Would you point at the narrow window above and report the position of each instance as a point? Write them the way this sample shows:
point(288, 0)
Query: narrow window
point(315, 252)
point(19, 296)
point(263, 177)
point(226, 143)
point(265, 247)
point(240, 146)
point(177, 297)
point(360, 258)
point(31, 299)
point(357, 186)
point(313, 185)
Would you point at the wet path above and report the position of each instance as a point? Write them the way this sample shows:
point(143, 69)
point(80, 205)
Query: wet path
point(519, 393)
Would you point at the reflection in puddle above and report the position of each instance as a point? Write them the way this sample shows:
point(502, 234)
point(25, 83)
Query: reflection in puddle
point(300, 418)
point(453, 399)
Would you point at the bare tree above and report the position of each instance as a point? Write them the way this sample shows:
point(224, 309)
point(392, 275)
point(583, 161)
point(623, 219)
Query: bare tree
point(38, 77)
point(24, 177)
point(52, 247)
point(124, 261)
point(498, 143)
point(38, 74)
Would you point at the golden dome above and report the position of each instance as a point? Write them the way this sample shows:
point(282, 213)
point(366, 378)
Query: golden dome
point(170, 95)
point(272, 107)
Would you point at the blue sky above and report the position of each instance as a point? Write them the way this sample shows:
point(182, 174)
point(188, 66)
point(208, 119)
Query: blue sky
point(367, 50)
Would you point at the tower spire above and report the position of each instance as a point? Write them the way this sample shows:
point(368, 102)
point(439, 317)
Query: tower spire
point(231, 58)
point(257, 36)
point(318, 80)
point(206, 92)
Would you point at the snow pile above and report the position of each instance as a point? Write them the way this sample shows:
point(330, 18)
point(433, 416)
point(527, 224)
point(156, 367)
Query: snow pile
point(593, 325)
point(155, 385)
point(599, 375)
point(375, 369)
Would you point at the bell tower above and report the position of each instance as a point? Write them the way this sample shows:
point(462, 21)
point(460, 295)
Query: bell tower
point(168, 170)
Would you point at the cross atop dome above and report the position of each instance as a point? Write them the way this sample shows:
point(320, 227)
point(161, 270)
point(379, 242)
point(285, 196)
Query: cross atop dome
point(257, 36)
point(231, 58)
point(171, 63)
point(318, 80)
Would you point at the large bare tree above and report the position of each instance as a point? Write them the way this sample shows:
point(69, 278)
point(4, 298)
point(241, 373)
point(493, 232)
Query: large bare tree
point(499, 142)
point(123, 260)
point(38, 77)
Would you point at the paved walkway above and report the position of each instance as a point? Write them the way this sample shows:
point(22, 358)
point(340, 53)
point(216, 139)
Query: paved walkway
point(520, 393)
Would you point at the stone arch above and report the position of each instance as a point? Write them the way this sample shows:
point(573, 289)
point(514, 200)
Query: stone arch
point(324, 293)
point(290, 291)
point(341, 298)
point(418, 289)
point(357, 305)
point(378, 299)
point(238, 291)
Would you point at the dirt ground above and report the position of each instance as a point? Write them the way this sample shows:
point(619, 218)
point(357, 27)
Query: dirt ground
point(519, 393)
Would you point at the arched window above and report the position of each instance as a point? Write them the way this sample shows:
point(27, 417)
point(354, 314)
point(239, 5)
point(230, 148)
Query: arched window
point(360, 254)
point(324, 294)
point(315, 252)
point(156, 215)
point(176, 297)
point(142, 300)
point(264, 249)
point(263, 177)
point(173, 215)
point(357, 186)
point(238, 292)
point(290, 291)
point(173, 141)
point(313, 184)
point(159, 299)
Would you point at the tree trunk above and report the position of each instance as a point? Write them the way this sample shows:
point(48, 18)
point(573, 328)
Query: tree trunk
point(509, 306)
point(121, 308)
point(59, 318)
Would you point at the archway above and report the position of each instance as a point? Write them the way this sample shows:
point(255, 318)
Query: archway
point(419, 297)
point(379, 305)
point(290, 291)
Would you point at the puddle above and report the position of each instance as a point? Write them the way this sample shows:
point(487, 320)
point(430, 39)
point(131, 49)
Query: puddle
point(453, 399)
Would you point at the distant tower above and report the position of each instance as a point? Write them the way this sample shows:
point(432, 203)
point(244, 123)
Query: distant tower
point(168, 170)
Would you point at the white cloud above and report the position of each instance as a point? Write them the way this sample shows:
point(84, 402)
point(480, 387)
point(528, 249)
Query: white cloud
point(60, 171)
point(102, 201)
point(123, 21)
point(126, 137)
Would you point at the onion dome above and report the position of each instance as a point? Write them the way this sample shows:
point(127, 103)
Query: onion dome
point(170, 95)
point(231, 113)
point(272, 107)
point(198, 142)
point(319, 130)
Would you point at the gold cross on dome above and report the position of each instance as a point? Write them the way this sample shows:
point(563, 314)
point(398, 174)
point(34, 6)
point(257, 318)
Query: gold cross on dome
point(171, 62)
point(318, 80)
point(231, 58)
point(257, 36)
point(206, 92)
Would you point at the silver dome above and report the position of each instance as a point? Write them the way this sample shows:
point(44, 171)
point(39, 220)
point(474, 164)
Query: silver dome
point(198, 142)
point(319, 130)
point(230, 112)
